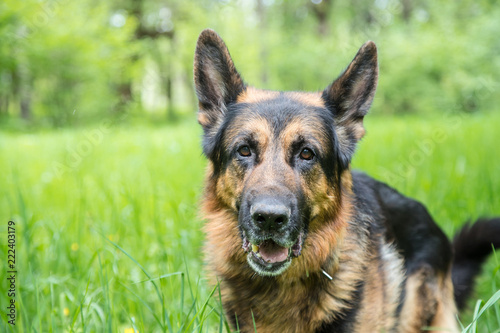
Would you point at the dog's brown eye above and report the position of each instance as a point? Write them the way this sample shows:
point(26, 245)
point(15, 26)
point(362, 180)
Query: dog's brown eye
point(306, 154)
point(244, 151)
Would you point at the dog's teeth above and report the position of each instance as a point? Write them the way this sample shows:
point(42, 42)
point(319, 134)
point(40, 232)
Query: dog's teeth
point(258, 255)
point(255, 248)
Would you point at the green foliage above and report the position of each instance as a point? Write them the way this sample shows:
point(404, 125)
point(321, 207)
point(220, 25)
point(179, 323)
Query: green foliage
point(108, 229)
point(67, 55)
point(68, 62)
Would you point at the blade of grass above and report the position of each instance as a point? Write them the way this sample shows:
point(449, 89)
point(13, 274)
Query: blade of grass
point(221, 310)
point(494, 284)
point(164, 310)
point(159, 278)
point(182, 296)
point(204, 318)
point(105, 286)
point(462, 327)
point(254, 325)
point(82, 318)
point(493, 299)
point(187, 275)
point(476, 310)
point(51, 288)
point(36, 298)
point(158, 320)
point(181, 329)
point(202, 310)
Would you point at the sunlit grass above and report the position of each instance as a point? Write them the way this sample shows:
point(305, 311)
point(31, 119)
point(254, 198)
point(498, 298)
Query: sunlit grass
point(108, 229)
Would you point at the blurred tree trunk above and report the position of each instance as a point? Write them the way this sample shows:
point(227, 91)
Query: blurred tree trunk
point(407, 10)
point(263, 54)
point(166, 69)
point(164, 61)
point(24, 91)
point(25, 104)
point(5, 96)
point(124, 90)
point(4, 105)
point(364, 18)
point(187, 77)
point(168, 89)
point(167, 78)
point(124, 85)
point(322, 13)
point(287, 12)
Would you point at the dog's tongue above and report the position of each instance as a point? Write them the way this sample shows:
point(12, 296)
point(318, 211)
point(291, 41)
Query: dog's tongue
point(272, 252)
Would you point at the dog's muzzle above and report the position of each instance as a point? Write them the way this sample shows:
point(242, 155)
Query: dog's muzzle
point(272, 230)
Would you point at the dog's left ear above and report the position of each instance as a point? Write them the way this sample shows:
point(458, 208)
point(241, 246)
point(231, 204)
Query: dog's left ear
point(217, 81)
point(350, 96)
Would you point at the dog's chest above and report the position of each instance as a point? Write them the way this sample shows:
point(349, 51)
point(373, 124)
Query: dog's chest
point(360, 297)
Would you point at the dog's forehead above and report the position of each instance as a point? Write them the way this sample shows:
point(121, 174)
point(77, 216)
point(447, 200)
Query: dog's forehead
point(275, 113)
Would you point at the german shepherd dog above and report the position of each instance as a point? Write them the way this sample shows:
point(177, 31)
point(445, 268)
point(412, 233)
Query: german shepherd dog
point(298, 241)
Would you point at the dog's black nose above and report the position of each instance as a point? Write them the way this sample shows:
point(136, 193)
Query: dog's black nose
point(270, 216)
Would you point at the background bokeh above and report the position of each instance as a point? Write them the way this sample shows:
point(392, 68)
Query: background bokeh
point(66, 62)
point(100, 160)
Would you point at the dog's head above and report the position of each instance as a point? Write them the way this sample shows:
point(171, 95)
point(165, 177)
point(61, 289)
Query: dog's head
point(277, 158)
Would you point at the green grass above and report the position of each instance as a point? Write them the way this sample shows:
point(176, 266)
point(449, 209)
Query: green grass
point(109, 239)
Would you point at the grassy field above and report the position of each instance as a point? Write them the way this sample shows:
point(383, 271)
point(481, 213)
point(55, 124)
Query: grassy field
point(108, 233)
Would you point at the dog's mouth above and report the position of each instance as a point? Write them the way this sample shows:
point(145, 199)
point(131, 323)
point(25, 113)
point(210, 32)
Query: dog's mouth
point(268, 257)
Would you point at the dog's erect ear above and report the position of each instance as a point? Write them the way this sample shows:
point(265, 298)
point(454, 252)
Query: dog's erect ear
point(349, 97)
point(217, 82)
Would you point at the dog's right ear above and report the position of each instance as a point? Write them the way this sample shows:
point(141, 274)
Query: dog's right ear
point(217, 82)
